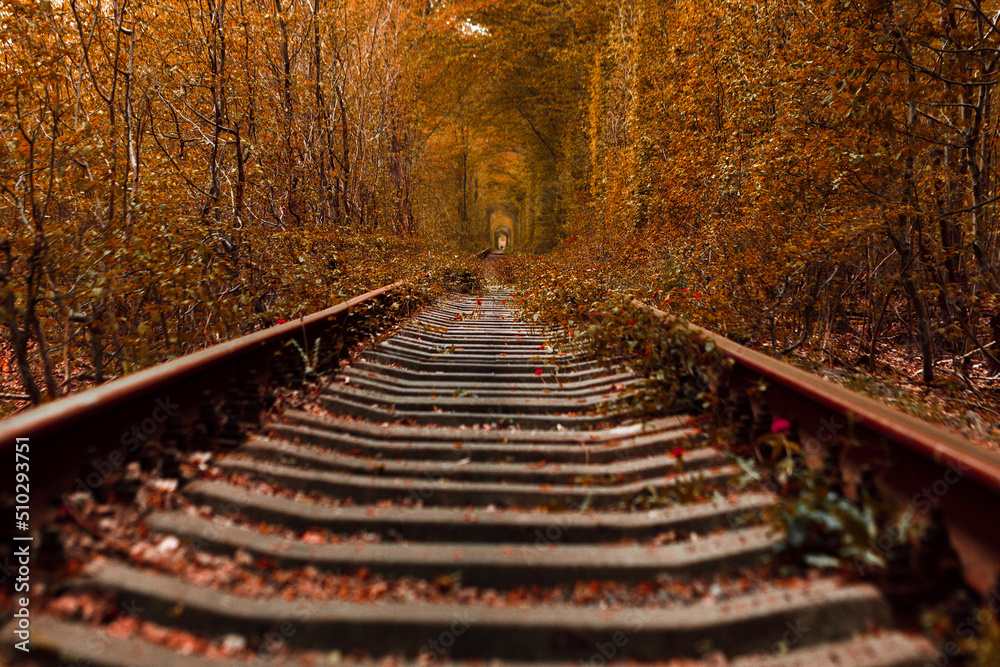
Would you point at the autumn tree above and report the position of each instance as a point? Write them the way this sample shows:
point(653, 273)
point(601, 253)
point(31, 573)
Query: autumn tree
point(176, 173)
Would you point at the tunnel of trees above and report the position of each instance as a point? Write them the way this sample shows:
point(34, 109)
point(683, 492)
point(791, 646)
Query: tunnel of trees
point(817, 171)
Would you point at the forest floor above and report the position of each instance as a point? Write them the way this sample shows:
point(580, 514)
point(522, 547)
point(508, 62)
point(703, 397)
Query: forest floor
point(967, 401)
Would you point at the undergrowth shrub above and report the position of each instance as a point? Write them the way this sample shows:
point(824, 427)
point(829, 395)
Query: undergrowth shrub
point(681, 368)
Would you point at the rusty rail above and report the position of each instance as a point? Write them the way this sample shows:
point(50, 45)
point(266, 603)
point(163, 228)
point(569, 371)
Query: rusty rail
point(918, 463)
point(103, 424)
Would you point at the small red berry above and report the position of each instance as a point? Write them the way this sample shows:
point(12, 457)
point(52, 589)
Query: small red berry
point(780, 425)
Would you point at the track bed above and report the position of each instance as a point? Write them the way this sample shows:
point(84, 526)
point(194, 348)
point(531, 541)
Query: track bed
point(462, 492)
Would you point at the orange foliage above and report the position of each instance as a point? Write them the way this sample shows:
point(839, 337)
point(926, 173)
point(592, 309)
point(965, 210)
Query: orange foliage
point(811, 168)
point(176, 173)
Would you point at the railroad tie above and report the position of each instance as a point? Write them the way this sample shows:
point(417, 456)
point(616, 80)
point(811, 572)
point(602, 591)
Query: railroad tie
point(466, 490)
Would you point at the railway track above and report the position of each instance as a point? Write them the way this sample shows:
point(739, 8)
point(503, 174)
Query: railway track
point(461, 491)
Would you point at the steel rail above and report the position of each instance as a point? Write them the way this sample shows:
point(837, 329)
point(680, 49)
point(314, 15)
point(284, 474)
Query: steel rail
point(100, 424)
point(918, 463)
